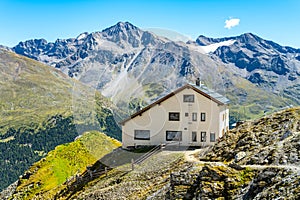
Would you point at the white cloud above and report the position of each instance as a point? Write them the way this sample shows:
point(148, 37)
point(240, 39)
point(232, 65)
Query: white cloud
point(229, 23)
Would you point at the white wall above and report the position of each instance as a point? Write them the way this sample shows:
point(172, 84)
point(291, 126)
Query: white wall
point(157, 121)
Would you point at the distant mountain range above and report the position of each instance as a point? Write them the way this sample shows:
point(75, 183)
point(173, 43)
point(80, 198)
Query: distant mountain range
point(135, 67)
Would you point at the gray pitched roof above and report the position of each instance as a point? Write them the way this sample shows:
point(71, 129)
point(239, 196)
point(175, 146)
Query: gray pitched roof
point(212, 93)
point(208, 93)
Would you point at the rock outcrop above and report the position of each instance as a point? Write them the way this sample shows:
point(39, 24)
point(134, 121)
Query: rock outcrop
point(257, 160)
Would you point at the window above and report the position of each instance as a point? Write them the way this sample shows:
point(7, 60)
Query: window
point(186, 114)
point(188, 98)
point(194, 136)
point(203, 136)
point(174, 116)
point(194, 116)
point(212, 137)
point(142, 134)
point(203, 116)
point(173, 135)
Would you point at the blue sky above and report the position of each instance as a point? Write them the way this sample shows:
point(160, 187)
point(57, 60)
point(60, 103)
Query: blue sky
point(277, 20)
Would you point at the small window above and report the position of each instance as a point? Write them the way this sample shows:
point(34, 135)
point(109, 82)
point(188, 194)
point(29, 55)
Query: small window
point(194, 136)
point(203, 136)
point(174, 116)
point(212, 137)
point(203, 117)
point(194, 116)
point(186, 114)
point(142, 134)
point(173, 135)
point(188, 98)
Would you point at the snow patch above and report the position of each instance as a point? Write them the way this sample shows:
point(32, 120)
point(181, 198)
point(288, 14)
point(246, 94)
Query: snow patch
point(82, 36)
point(212, 47)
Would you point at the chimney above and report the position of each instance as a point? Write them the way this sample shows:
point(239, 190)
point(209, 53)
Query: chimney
point(198, 82)
point(138, 108)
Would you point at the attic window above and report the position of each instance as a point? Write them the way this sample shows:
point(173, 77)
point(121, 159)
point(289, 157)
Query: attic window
point(189, 98)
point(174, 116)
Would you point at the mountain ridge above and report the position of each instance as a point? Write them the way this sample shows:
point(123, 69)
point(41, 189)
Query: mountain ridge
point(123, 60)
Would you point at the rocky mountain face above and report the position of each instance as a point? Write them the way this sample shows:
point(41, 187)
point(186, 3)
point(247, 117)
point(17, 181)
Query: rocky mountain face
point(262, 62)
point(135, 67)
point(257, 160)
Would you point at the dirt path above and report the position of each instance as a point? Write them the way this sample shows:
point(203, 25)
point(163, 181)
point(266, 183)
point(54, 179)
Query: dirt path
point(193, 157)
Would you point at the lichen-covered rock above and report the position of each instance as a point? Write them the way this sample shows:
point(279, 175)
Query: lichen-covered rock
point(266, 141)
point(239, 156)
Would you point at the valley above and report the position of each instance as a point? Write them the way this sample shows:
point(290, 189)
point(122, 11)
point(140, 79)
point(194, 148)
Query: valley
point(61, 103)
point(42, 108)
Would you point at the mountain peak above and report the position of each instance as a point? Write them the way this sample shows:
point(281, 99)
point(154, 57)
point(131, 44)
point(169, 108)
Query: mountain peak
point(249, 38)
point(120, 27)
point(244, 38)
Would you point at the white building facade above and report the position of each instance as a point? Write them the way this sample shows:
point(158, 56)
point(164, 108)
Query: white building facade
point(190, 116)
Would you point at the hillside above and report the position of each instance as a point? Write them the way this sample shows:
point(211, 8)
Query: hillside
point(134, 67)
point(44, 177)
point(40, 109)
point(257, 160)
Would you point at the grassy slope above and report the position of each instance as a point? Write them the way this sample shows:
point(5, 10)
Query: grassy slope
point(31, 92)
point(33, 98)
point(251, 102)
point(66, 160)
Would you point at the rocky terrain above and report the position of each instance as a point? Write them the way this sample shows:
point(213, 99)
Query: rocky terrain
point(257, 160)
point(135, 67)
